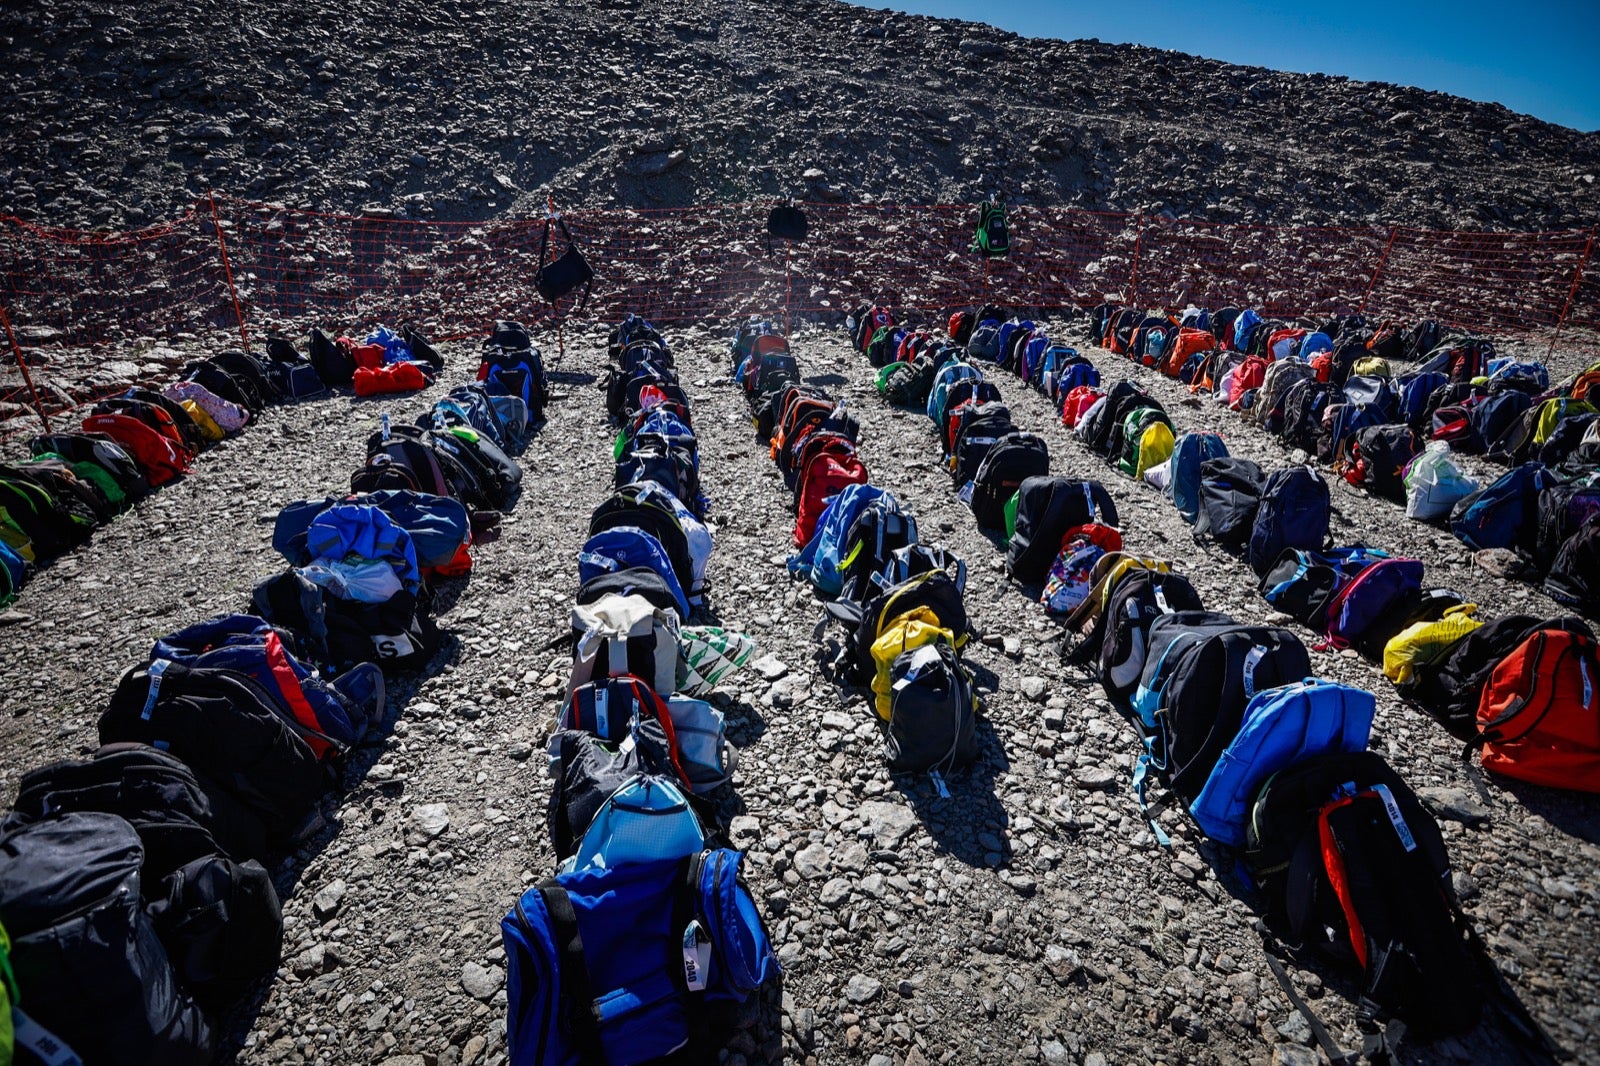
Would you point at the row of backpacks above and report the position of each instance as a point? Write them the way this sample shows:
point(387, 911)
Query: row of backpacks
point(1363, 598)
point(143, 438)
point(1388, 409)
point(645, 940)
point(1266, 758)
point(897, 601)
point(132, 886)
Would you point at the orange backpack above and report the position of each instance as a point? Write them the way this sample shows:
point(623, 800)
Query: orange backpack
point(1539, 714)
point(1189, 341)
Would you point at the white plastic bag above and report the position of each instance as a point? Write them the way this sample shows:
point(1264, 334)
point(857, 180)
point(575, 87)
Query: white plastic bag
point(1434, 483)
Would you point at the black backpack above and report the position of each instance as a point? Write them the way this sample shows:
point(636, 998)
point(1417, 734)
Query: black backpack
point(1293, 513)
point(633, 581)
point(975, 436)
point(651, 457)
point(880, 529)
point(100, 450)
point(222, 926)
point(227, 726)
point(1379, 457)
point(1230, 494)
point(1574, 577)
point(1123, 633)
point(1448, 687)
point(1355, 867)
point(1013, 459)
point(1046, 508)
point(1563, 509)
point(248, 371)
point(787, 223)
point(636, 504)
point(1303, 404)
point(332, 361)
point(932, 712)
point(93, 967)
point(1204, 681)
point(1101, 430)
point(587, 772)
point(153, 791)
point(935, 590)
point(912, 387)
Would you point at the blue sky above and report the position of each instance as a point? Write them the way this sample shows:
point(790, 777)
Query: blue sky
point(1534, 56)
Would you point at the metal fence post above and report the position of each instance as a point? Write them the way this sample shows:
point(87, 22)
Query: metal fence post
point(1394, 231)
point(227, 270)
point(1577, 279)
point(22, 365)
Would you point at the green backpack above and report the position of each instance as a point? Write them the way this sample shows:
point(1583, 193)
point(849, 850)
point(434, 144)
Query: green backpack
point(1133, 426)
point(993, 239)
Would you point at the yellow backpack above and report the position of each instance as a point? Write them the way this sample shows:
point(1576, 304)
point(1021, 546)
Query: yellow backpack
point(1423, 642)
point(207, 425)
point(1155, 448)
point(905, 632)
point(1372, 366)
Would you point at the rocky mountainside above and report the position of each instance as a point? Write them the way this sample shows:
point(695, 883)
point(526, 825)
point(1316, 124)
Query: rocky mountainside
point(119, 114)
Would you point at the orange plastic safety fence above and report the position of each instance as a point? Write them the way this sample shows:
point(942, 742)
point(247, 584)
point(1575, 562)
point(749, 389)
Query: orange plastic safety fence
point(294, 268)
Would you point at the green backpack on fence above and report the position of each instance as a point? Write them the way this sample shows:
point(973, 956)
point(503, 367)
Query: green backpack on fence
point(993, 239)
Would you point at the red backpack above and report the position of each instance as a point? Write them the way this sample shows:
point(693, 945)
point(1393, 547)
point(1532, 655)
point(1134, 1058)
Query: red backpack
point(823, 479)
point(161, 459)
point(1077, 403)
point(1539, 714)
point(1249, 375)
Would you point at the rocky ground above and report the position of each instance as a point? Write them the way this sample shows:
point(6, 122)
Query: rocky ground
point(1029, 917)
point(122, 114)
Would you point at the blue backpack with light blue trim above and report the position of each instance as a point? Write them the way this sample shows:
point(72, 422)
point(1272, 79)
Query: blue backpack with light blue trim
point(948, 375)
point(1281, 727)
point(1188, 453)
point(632, 963)
point(819, 561)
point(625, 547)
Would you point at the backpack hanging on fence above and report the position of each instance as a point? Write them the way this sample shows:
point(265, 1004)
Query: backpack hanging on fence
point(787, 223)
point(993, 237)
point(566, 271)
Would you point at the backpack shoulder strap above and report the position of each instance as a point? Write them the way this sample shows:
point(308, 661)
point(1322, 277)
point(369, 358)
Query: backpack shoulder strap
point(690, 925)
point(579, 1017)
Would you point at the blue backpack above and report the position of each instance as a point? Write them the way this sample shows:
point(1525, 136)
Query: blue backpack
point(625, 547)
point(332, 716)
point(623, 964)
point(1075, 373)
point(1281, 727)
point(948, 375)
point(1530, 375)
point(1414, 392)
point(1242, 325)
point(1188, 453)
point(438, 525)
point(13, 568)
point(1315, 342)
point(1033, 358)
point(1506, 513)
point(1294, 513)
point(819, 560)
